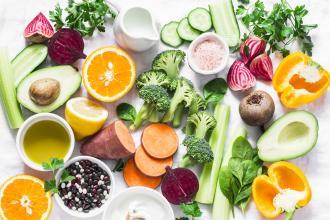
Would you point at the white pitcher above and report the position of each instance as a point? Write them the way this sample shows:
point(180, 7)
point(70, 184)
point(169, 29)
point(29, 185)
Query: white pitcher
point(135, 28)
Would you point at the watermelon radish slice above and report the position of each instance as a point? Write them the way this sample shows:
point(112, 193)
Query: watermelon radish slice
point(39, 29)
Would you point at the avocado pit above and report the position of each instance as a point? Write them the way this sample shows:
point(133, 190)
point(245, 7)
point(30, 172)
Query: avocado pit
point(44, 91)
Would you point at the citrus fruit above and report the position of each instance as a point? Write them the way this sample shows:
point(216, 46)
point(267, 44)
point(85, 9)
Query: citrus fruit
point(85, 116)
point(23, 197)
point(108, 73)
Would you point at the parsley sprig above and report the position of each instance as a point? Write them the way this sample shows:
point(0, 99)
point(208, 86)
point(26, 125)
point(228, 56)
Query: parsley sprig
point(85, 17)
point(191, 209)
point(53, 165)
point(279, 27)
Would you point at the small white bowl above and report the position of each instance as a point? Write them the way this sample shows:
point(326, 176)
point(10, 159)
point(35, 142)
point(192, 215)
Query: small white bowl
point(198, 40)
point(135, 193)
point(95, 211)
point(34, 119)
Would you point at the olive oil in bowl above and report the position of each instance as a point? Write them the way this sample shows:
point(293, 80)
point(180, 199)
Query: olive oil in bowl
point(44, 140)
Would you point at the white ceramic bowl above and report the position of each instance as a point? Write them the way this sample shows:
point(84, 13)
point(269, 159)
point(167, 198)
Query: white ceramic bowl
point(92, 212)
point(198, 40)
point(132, 193)
point(32, 120)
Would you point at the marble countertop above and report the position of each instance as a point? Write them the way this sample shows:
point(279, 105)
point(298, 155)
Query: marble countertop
point(15, 14)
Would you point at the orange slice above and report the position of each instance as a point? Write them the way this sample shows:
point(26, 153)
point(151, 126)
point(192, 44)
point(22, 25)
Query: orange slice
point(108, 73)
point(23, 197)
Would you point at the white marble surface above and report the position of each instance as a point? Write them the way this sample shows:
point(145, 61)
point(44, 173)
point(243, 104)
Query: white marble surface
point(15, 14)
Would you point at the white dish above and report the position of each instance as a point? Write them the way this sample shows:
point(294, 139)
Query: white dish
point(95, 211)
point(144, 196)
point(197, 41)
point(32, 120)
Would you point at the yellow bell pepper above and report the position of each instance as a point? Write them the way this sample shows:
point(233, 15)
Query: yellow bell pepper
point(282, 177)
point(299, 80)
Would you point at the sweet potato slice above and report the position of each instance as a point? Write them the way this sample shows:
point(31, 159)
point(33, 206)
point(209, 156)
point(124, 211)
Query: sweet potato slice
point(113, 142)
point(160, 140)
point(151, 166)
point(134, 177)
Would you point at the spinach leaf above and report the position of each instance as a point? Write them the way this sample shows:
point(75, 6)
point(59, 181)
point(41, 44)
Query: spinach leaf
point(250, 171)
point(228, 185)
point(215, 90)
point(243, 195)
point(242, 149)
point(126, 112)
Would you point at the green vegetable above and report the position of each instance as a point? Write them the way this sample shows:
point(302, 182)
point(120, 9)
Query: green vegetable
point(85, 16)
point(27, 60)
point(209, 176)
point(244, 1)
point(53, 165)
point(8, 91)
point(236, 178)
point(169, 35)
point(191, 209)
point(186, 32)
point(215, 90)
point(200, 19)
point(221, 206)
point(279, 27)
point(119, 166)
point(198, 150)
point(156, 99)
point(225, 22)
point(153, 77)
point(126, 112)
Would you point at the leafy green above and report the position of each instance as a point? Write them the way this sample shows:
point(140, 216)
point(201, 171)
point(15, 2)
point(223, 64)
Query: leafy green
point(85, 16)
point(66, 177)
point(51, 186)
point(119, 166)
point(280, 26)
point(126, 112)
point(215, 90)
point(236, 179)
point(244, 1)
point(53, 165)
point(191, 209)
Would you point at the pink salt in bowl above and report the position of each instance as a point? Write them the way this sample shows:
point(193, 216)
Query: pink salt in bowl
point(208, 54)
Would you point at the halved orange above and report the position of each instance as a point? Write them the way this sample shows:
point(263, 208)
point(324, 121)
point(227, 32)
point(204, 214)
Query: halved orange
point(108, 73)
point(23, 197)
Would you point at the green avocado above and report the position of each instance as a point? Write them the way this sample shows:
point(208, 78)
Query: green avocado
point(292, 135)
point(68, 77)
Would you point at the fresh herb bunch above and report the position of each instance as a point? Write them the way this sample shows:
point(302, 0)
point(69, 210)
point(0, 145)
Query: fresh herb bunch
point(236, 178)
point(85, 16)
point(54, 165)
point(279, 27)
point(191, 209)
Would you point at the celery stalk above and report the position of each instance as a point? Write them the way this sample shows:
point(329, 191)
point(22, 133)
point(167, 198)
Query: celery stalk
point(210, 172)
point(8, 91)
point(221, 206)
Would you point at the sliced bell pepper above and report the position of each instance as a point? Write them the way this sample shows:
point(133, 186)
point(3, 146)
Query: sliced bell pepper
point(299, 80)
point(281, 177)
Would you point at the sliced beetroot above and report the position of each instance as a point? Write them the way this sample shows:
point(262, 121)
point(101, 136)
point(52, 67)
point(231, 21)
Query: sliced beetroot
point(66, 46)
point(262, 67)
point(39, 29)
point(179, 185)
point(252, 47)
point(239, 77)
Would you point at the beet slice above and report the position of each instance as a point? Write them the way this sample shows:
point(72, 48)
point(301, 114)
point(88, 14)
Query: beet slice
point(39, 29)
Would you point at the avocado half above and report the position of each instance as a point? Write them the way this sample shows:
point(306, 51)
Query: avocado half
point(68, 77)
point(291, 136)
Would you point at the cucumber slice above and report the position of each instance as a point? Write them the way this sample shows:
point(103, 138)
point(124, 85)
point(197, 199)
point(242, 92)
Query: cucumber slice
point(200, 19)
point(170, 36)
point(186, 32)
point(27, 60)
point(225, 22)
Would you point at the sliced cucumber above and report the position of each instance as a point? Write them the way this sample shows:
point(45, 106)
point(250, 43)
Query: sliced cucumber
point(200, 19)
point(170, 36)
point(186, 32)
point(27, 60)
point(225, 22)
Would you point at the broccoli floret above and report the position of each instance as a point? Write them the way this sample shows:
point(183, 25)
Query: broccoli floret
point(184, 93)
point(169, 61)
point(197, 104)
point(203, 122)
point(156, 99)
point(198, 151)
point(153, 77)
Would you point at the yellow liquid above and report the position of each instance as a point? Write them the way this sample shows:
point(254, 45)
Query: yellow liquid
point(45, 140)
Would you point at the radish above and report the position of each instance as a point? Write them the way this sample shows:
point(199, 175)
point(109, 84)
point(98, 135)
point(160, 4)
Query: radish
point(39, 29)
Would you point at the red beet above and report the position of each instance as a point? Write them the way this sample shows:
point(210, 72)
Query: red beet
point(239, 77)
point(66, 46)
point(252, 47)
point(262, 67)
point(179, 185)
point(39, 29)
